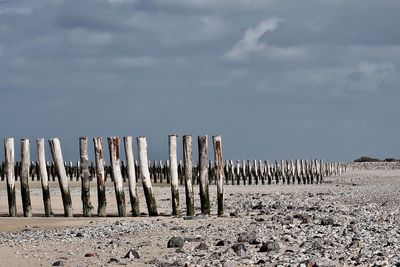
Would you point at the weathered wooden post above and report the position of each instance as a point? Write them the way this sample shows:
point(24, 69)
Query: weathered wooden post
point(219, 169)
point(203, 174)
point(238, 172)
point(44, 177)
point(173, 172)
point(25, 166)
point(85, 177)
point(131, 172)
point(10, 175)
point(56, 152)
point(145, 175)
point(188, 166)
point(269, 173)
point(113, 145)
point(100, 175)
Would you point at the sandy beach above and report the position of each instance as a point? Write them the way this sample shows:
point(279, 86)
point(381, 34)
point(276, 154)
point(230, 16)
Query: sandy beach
point(346, 221)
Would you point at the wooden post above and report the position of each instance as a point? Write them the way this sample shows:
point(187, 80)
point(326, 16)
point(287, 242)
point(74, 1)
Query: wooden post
point(145, 175)
point(173, 172)
point(100, 175)
point(269, 175)
point(85, 177)
point(113, 145)
point(56, 152)
point(188, 165)
point(203, 174)
point(238, 172)
point(44, 177)
point(10, 175)
point(25, 166)
point(131, 172)
point(219, 169)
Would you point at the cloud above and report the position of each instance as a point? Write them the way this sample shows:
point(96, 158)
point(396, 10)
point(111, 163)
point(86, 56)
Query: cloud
point(370, 68)
point(172, 29)
point(119, 2)
point(21, 11)
point(250, 44)
point(217, 4)
point(134, 62)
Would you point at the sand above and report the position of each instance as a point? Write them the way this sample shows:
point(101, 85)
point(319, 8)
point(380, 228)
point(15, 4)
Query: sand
point(356, 202)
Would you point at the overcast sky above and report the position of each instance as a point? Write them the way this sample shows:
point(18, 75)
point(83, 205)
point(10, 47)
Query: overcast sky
point(277, 79)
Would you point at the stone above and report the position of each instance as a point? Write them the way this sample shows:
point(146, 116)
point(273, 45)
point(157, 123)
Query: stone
point(79, 234)
point(175, 242)
point(239, 249)
point(327, 221)
point(258, 206)
point(132, 254)
point(269, 247)
point(221, 243)
point(247, 236)
point(113, 260)
point(324, 262)
point(58, 263)
point(229, 263)
point(202, 246)
point(90, 254)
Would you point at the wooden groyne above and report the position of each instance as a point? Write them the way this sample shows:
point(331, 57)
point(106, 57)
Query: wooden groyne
point(188, 172)
point(237, 172)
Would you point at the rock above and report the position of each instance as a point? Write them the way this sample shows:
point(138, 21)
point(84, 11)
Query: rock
point(239, 249)
point(258, 206)
point(132, 254)
point(269, 247)
point(202, 246)
point(229, 264)
point(176, 242)
point(310, 263)
point(327, 221)
point(113, 260)
point(58, 263)
point(90, 254)
point(221, 243)
point(276, 206)
point(255, 241)
point(304, 218)
point(324, 262)
point(79, 234)
point(193, 239)
point(234, 214)
point(261, 261)
point(247, 237)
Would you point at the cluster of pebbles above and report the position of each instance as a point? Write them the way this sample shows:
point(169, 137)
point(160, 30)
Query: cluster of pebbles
point(347, 221)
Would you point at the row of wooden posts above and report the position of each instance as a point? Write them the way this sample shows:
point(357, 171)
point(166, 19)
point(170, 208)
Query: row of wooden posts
point(236, 171)
point(203, 173)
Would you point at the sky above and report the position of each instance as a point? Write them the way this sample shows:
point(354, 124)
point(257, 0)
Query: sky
point(277, 79)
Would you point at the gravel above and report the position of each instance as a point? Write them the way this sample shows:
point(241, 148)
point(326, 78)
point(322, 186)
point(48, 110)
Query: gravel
point(349, 220)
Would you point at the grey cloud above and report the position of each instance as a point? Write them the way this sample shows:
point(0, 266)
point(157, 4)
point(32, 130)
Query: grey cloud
point(118, 67)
